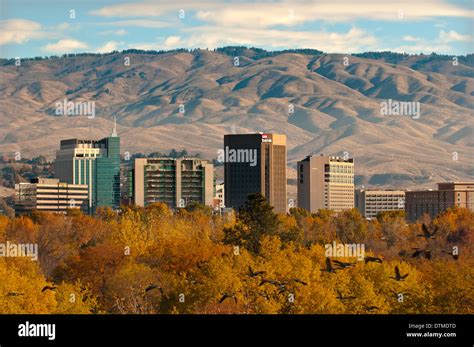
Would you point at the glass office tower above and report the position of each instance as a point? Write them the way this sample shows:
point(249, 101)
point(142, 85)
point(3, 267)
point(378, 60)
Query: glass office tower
point(95, 163)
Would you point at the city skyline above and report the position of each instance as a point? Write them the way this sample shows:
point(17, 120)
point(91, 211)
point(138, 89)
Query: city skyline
point(190, 164)
point(323, 182)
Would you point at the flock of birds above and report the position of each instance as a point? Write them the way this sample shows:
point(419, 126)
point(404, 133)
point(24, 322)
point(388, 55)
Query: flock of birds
point(285, 285)
point(335, 265)
point(426, 252)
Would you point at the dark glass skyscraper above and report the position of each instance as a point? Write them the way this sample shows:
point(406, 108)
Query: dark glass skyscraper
point(255, 163)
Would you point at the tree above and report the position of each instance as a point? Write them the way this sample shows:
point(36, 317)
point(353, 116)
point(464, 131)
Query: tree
point(255, 219)
point(351, 227)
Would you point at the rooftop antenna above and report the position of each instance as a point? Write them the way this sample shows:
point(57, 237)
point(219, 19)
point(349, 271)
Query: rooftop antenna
point(114, 131)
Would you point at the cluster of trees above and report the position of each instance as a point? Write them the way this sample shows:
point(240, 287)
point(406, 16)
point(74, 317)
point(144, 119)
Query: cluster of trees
point(259, 53)
point(254, 53)
point(12, 172)
point(154, 260)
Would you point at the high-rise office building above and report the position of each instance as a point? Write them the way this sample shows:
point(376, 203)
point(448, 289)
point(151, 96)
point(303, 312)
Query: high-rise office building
point(325, 182)
point(373, 201)
point(49, 195)
point(434, 202)
point(95, 163)
point(255, 163)
point(176, 182)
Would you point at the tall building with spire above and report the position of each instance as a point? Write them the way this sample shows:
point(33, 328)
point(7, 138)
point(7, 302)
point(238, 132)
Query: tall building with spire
point(95, 163)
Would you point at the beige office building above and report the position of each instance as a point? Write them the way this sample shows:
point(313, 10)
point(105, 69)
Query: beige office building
point(176, 182)
point(218, 201)
point(255, 163)
point(50, 195)
point(434, 202)
point(371, 202)
point(326, 182)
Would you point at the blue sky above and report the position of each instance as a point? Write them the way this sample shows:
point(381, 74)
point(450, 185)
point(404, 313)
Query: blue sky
point(37, 28)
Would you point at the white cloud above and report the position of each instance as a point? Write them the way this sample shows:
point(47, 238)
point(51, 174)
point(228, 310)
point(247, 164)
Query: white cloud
point(118, 32)
point(142, 23)
point(354, 40)
point(19, 31)
point(410, 38)
point(65, 46)
point(173, 42)
point(439, 45)
point(109, 47)
point(452, 35)
point(265, 14)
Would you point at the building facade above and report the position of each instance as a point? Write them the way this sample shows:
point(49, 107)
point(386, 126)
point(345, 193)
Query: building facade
point(255, 163)
point(434, 202)
point(371, 202)
point(325, 182)
point(176, 182)
point(219, 193)
point(95, 164)
point(50, 195)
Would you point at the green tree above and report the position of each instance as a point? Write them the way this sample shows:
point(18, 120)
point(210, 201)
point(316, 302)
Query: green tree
point(255, 220)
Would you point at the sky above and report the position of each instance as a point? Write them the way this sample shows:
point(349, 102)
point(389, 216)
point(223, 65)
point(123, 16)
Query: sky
point(30, 28)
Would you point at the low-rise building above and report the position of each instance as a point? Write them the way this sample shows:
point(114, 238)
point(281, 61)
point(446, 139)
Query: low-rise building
point(50, 195)
point(219, 196)
point(371, 202)
point(434, 202)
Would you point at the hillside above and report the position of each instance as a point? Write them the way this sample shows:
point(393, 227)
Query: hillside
point(336, 107)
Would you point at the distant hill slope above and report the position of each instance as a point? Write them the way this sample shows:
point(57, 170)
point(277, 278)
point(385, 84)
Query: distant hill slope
point(336, 103)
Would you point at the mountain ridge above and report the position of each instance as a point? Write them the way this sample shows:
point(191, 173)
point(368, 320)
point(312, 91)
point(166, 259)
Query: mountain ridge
point(336, 107)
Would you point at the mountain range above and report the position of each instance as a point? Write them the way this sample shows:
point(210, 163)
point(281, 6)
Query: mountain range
point(324, 103)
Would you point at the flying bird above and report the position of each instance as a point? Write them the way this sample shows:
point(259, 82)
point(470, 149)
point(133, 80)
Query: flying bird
point(283, 289)
point(402, 253)
point(425, 252)
point(341, 297)
point(297, 280)
point(398, 276)
point(227, 296)
point(255, 273)
point(14, 294)
point(329, 267)
point(426, 232)
point(266, 280)
point(373, 260)
point(152, 287)
point(45, 288)
point(455, 256)
point(371, 308)
point(343, 265)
